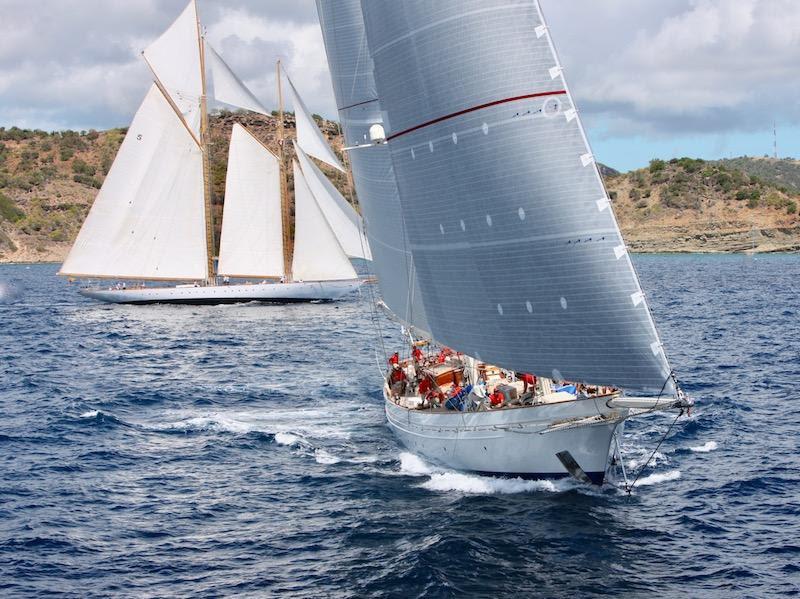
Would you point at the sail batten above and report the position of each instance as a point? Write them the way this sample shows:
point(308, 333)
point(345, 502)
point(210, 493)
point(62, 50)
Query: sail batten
point(147, 221)
point(251, 244)
point(515, 249)
point(343, 219)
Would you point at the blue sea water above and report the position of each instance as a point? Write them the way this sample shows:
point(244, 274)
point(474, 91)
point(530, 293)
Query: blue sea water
point(241, 451)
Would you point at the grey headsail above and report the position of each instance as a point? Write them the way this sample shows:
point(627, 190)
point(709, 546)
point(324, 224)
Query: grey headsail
point(517, 253)
point(373, 174)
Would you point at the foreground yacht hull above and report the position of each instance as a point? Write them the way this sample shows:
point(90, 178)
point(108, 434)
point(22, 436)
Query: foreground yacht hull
point(510, 442)
point(278, 293)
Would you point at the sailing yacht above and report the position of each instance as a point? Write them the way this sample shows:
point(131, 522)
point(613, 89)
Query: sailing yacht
point(495, 245)
point(152, 219)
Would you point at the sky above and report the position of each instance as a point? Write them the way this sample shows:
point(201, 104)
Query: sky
point(700, 78)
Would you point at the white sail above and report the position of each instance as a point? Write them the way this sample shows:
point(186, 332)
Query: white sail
point(148, 220)
point(343, 219)
point(309, 137)
point(373, 174)
point(317, 253)
point(228, 88)
point(251, 244)
point(517, 251)
point(175, 60)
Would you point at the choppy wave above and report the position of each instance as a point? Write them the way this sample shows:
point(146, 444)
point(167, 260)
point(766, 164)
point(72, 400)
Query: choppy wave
point(658, 477)
point(706, 447)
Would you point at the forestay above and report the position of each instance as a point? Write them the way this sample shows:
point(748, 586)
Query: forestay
point(373, 174)
point(317, 253)
point(343, 219)
point(518, 254)
point(175, 60)
point(228, 88)
point(148, 220)
point(309, 137)
point(251, 244)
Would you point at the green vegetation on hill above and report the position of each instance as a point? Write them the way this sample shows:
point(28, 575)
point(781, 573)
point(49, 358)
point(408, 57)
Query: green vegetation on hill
point(783, 173)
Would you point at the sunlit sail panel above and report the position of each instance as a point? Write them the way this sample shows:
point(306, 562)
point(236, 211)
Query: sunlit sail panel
point(251, 244)
point(175, 60)
point(317, 253)
point(343, 219)
point(147, 221)
point(516, 248)
point(228, 88)
point(309, 137)
point(373, 173)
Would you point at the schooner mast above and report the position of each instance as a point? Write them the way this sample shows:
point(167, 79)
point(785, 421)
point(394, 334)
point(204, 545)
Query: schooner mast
point(204, 142)
point(286, 216)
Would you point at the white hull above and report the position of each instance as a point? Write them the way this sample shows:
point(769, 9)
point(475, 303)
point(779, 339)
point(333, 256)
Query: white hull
point(509, 442)
point(228, 294)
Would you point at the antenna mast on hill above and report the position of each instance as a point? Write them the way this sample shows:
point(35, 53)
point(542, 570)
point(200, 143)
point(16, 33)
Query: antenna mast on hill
point(774, 140)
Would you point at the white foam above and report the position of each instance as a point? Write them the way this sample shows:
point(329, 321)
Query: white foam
point(90, 414)
point(654, 479)
point(413, 465)
point(445, 480)
point(705, 447)
point(286, 439)
point(485, 485)
point(325, 457)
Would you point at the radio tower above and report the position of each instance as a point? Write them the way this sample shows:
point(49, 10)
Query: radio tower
point(774, 140)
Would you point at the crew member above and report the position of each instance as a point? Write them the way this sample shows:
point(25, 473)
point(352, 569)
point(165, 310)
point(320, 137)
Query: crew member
point(527, 379)
point(397, 380)
point(394, 359)
point(417, 354)
point(496, 399)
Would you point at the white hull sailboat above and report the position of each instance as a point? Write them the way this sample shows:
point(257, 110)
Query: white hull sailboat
point(493, 240)
point(152, 219)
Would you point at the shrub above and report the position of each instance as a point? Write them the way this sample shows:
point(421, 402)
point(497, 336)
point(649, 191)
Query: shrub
point(791, 207)
point(8, 211)
point(66, 153)
point(634, 194)
point(657, 165)
point(82, 168)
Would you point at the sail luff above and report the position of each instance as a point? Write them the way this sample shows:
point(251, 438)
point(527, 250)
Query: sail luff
point(602, 184)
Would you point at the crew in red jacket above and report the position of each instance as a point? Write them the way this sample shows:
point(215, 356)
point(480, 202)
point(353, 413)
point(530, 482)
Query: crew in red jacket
point(417, 354)
point(527, 379)
point(394, 359)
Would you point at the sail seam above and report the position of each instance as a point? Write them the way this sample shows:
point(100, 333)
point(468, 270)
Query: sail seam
point(473, 109)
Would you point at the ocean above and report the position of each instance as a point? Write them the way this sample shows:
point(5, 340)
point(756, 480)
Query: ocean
point(242, 451)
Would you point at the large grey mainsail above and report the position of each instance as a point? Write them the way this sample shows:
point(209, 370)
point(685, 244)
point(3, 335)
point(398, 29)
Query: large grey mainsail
point(516, 249)
point(373, 175)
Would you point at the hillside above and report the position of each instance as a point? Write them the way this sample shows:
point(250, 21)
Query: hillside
point(49, 180)
point(690, 205)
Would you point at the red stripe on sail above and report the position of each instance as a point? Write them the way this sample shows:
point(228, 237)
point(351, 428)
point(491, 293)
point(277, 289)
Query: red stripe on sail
point(473, 109)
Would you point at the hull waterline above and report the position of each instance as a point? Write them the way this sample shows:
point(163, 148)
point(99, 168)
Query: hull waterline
point(278, 293)
point(509, 442)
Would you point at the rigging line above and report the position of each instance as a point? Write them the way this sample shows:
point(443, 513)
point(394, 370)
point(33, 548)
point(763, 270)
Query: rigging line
point(473, 109)
point(358, 104)
point(630, 487)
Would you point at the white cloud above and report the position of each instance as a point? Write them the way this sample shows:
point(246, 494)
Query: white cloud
point(706, 65)
point(636, 68)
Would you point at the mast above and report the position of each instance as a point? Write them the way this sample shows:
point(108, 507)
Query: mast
point(286, 216)
point(204, 138)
